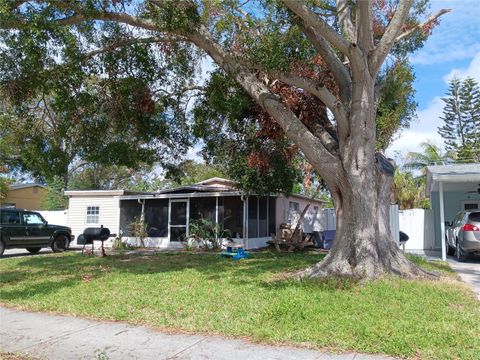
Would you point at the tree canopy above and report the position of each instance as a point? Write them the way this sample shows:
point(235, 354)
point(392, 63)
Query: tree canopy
point(319, 73)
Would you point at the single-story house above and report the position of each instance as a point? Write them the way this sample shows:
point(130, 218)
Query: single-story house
point(168, 213)
point(26, 196)
point(452, 188)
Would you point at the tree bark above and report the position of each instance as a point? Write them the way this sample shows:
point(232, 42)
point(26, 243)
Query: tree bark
point(363, 246)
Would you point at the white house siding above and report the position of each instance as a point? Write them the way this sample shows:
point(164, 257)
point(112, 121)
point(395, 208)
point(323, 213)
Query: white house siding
point(314, 220)
point(109, 213)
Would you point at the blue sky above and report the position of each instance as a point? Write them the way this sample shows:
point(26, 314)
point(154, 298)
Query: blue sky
point(453, 48)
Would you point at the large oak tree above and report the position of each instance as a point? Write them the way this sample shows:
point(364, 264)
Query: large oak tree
point(277, 51)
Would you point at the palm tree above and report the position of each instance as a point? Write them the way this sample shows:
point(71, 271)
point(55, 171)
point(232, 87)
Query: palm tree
point(431, 155)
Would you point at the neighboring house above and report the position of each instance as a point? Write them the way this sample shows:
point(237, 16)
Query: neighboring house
point(451, 188)
point(26, 196)
point(168, 213)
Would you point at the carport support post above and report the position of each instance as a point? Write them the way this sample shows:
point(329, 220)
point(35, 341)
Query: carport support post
point(442, 221)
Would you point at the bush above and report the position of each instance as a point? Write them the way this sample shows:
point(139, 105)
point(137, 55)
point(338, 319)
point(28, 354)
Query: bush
point(203, 234)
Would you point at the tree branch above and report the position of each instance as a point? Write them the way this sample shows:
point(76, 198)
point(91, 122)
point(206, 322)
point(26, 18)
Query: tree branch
point(388, 39)
point(365, 26)
point(127, 42)
point(272, 104)
point(319, 91)
point(109, 16)
point(313, 20)
point(431, 19)
point(344, 13)
point(339, 71)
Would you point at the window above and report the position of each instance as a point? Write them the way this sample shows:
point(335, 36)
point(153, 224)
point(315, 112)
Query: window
point(32, 219)
point(471, 206)
point(293, 212)
point(93, 215)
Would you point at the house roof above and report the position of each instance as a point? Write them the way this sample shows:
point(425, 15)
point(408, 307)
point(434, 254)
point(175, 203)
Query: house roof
point(212, 187)
point(451, 174)
point(104, 192)
point(24, 186)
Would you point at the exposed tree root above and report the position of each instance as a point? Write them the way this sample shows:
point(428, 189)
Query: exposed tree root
point(365, 270)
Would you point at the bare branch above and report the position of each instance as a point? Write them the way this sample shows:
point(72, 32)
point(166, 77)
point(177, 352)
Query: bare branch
point(311, 145)
point(388, 38)
point(344, 13)
point(110, 16)
point(339, 71)
point(319, 91)
point(365, 26)
point(127, 42)
point(313, 20)
point(431, 20)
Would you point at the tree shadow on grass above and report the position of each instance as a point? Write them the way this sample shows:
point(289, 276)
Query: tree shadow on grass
point(257, 269)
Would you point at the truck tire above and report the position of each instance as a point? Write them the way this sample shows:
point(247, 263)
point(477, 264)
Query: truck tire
point(59, 244)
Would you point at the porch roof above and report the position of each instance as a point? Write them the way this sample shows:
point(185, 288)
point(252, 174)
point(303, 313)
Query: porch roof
point(454, 177)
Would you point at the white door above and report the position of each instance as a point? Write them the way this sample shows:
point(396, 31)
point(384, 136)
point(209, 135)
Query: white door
point(178, 220)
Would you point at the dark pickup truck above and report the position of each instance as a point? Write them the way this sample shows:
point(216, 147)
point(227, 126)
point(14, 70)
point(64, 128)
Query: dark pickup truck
point(28, 229)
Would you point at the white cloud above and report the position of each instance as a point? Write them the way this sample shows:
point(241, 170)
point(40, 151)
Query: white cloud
point(429, 119)
point(456, 38)
point(473, 71)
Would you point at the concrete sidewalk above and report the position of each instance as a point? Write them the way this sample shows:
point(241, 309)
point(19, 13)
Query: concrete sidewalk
point(469, 272)
point(63, 337)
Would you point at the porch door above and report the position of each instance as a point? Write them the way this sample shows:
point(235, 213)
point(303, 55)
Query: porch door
point(178, 220)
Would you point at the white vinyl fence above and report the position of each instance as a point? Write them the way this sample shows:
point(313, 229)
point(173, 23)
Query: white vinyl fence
point(416, 223)
point(55, 217)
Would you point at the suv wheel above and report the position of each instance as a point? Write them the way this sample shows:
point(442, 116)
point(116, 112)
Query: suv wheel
point(459, 253)
point(2, 247)
point(33, 250)
point(59, 244)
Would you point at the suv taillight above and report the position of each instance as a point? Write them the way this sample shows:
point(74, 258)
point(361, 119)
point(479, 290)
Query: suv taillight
point(470, 227)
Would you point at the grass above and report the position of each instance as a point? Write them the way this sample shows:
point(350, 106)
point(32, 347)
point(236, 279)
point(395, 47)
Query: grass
point(202, 293)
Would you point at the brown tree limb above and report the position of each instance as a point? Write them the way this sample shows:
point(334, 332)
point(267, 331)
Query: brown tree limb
point(344, 13)
point(365, 25)
point(338, 69)
point(431, 19)
point(388, 38)
point(313, 20)
point(272, 104)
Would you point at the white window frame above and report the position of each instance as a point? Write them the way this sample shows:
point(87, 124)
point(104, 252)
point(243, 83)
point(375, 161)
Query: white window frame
point(87, 215)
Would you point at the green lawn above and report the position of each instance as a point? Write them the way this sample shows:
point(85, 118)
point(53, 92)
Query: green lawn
point(252, 298)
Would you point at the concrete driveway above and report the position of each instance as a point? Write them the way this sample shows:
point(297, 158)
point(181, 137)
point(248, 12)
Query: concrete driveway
point(469, 271)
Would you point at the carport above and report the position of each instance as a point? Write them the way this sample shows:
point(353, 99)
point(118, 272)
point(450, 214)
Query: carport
point(452, 188)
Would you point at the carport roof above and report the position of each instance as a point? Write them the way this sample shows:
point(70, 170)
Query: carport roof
point(457, 173)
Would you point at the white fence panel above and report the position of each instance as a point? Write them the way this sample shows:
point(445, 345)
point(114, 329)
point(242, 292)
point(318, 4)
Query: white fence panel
point(59, 217)
point(394, 223)
point(418, 225)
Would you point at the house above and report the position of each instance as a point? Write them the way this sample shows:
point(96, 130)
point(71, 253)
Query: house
point(168, 213)
point(26, 196)
point(452, 188)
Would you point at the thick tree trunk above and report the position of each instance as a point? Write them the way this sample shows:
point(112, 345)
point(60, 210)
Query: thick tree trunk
point(363, 245)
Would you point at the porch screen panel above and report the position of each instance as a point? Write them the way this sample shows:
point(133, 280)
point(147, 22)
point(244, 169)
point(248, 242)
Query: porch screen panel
point(203, 208)
point(156, 217)
point(262, 217)
point(272, 218)
point(230, 214)
point(130, 211)
point(252, 217)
